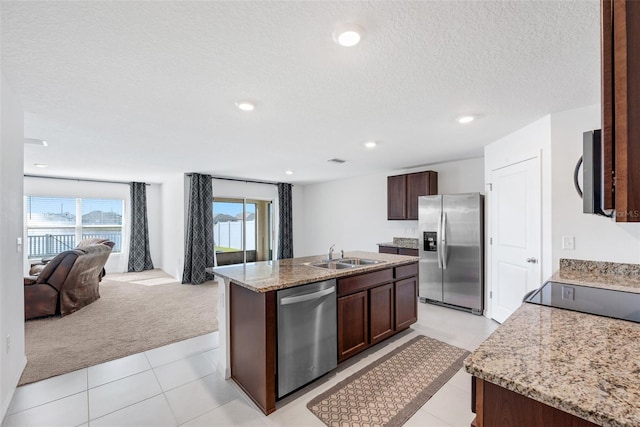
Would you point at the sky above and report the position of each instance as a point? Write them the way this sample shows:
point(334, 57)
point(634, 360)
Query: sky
point(68, 204)
point(231, 208)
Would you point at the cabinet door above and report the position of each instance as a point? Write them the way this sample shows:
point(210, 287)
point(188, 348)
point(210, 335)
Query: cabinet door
point(397, 197)
point(407, 251)
point(606, 16)
point(387, 250)
point(352, 324)
point(381, 312)
point(406, 302)
point(419, 184)
point(626, 66)
point(621, 107)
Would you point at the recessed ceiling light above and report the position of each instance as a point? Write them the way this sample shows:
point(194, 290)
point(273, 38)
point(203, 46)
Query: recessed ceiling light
point(348, 35)
point(40, 165)
point(370, 144)
point(466, 119)
point(35, 141)
point(289, 172)
point(246, 105)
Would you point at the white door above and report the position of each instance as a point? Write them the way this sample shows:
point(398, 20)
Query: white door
point(515, 232)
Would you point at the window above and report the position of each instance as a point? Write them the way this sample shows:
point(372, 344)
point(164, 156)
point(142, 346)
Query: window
point(232, 247)
point(56, 224)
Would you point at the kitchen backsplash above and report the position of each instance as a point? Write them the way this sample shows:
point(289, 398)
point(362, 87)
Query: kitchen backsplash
point(599, 267)
point(405, 242)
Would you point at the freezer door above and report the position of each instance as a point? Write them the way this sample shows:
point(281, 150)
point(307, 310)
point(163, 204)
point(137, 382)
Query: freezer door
point(430, 274)
point(463, 230)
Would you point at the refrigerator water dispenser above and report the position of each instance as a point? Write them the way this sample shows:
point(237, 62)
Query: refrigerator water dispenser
point(429, 238)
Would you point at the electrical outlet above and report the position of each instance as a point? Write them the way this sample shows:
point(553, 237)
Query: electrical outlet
point(8, 343)
point(19, 244)
point(568, 242)
point(568, 293)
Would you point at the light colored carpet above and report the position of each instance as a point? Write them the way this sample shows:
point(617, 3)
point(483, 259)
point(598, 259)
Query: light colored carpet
point(390, 390)
point(128, 318)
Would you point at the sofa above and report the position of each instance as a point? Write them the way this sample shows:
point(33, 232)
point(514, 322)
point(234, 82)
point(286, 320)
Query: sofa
point(67, 282)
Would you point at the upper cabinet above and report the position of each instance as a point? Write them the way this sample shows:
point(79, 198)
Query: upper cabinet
point(620, 27)
point(403, 192)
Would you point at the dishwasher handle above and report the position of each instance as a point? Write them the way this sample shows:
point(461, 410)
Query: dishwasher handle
point(307, 297)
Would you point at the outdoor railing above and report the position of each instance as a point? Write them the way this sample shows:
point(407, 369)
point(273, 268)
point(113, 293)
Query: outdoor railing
point(51, 244)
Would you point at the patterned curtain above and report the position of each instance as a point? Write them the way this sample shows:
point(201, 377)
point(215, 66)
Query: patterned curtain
point(139, 256)
point(285, 238)
point(199, 248)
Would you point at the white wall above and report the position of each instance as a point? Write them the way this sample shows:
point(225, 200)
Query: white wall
point(175, 206)
point(352, 213)
point(532, 140)
point(558, 137)
point(173, 225)
point(12, 356)
point(117, 262)
point(596, 238)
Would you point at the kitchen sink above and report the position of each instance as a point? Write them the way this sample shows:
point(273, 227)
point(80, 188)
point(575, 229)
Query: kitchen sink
point(359, 261)
point(331, 265)
point(342, 263)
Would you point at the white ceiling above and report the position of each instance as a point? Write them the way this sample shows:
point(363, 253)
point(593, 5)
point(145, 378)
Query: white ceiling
point(135, 90)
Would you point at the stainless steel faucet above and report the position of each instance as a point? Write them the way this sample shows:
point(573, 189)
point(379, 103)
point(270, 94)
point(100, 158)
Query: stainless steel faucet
point(341, 253)
point(330, 257)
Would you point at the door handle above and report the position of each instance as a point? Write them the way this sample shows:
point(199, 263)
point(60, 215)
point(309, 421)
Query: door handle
point(307, 297)
point(445, 246)
point(532, 260)
point(439, 241)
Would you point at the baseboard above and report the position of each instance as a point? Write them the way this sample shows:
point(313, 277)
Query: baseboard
point(224, 371)
point(7, 401)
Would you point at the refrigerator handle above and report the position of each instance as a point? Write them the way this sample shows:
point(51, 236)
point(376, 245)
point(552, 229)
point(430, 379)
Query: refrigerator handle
point(438, 241)
point(443, 244)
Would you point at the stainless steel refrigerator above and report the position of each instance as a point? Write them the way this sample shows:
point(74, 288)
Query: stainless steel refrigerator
point(451, 250)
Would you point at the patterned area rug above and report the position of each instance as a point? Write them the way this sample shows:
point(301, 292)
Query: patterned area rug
point(390, 390)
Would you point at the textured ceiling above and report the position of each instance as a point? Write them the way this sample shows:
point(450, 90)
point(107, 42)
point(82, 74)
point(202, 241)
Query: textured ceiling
point(135, 90)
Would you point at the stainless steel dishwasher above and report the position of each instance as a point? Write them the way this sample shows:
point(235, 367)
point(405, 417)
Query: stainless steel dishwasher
point(307, 334)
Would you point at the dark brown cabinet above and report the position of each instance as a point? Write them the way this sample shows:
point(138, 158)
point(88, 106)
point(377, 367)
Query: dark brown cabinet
point(406, 302)
point(374, 306)
point(397, 197)
point(620, 32)
point(381, 310)
point(353, 328)
point(397, 250)
point(403, 192)
point(496, 406)
point(388, 250)
point(371, 307)
point(419, 184)
point(407, 251)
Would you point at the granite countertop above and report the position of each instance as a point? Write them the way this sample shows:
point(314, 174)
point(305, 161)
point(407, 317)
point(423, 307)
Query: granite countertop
point(268, 276)
point(580, 363)
point(607, 275)
point(402, 242)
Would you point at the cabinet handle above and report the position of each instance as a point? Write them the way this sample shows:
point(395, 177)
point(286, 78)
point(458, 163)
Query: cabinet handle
point(307, 297)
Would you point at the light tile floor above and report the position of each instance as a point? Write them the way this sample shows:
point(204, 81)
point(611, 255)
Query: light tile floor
point(178, 385)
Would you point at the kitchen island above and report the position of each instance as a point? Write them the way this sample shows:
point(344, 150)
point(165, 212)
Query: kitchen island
point(550, 366)
point(379, 299)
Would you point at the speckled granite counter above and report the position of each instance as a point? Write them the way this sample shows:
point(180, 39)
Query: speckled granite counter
point(272, 275)
point(582, 364)
point(607, 275)
point(402, 242)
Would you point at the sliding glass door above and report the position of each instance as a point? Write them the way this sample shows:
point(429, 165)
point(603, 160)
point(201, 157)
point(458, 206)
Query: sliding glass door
point(242, 230)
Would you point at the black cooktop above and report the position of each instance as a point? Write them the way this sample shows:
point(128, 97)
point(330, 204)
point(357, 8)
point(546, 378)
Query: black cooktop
point(602, 302)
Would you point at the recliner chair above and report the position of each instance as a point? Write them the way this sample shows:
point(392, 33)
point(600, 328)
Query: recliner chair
point(68, 282)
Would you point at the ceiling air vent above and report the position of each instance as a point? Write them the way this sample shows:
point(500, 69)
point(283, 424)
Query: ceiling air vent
point(337, 161)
